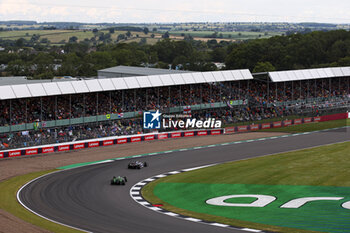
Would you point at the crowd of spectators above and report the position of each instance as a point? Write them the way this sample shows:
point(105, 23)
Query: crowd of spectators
point(70, 133)
point(20, 111)
point(123, 127)
point(261, 100)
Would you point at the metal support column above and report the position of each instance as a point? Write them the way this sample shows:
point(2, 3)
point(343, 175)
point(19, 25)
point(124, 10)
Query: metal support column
point(276, 91)
point(169, 100)
point(84, 108)
point(248, 88)
point(123, 101)
point(135, 106)
point(41, 109)
point(41, 118)
point(26, 113)
point(10, 115)
point(70, 109)
point(200, 86)
point(190, 94)
point(181, 103)
point(315, 87)
point(300, 91)
point(146, 98)
point(96, 106)
point(210, 92)
point(56, 111)
point(239, 89)
point(268, 91)
point(110, 102)
point(284, 93)
point(158, 98)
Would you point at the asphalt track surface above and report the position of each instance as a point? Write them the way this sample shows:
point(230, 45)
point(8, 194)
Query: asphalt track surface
point(84, 198)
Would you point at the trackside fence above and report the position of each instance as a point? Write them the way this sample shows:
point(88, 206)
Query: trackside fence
point(108, 141)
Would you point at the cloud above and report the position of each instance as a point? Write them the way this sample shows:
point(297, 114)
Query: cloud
point(10, 7)
point(176, 11)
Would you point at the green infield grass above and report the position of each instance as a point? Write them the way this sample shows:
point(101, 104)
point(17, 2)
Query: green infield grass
point(264, 121)
point(316, 172)
point(309, 127)
point(9, 203)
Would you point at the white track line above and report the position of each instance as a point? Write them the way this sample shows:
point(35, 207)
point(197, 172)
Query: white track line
point(136, 198)
point(51, 220)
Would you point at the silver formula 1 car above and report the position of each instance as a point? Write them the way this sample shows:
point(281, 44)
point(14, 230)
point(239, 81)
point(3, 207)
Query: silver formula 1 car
point(137, 165)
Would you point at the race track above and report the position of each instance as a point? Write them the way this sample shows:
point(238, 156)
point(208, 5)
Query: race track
point(83, 197)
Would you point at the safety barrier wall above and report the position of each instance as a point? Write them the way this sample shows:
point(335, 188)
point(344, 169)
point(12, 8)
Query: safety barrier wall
point(334, 117)
point(45, 149)
point(278, 124)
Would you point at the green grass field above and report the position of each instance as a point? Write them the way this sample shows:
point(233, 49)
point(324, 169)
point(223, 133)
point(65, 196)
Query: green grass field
point(55, 36)
point(264, 121)
point(58, 36)
point(321, 171)
point(234, 35)
point(309, 127)
point(9, 203)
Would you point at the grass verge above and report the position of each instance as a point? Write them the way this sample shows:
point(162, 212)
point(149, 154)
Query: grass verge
point(9, 203)
point(321, 166)
point(309, 127)
point(263, 121)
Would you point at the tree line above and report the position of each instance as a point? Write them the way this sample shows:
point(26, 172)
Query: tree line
point(296, 51)
point(81, 59)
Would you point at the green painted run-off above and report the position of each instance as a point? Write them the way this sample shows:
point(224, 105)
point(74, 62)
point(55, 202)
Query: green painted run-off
point(324, 216)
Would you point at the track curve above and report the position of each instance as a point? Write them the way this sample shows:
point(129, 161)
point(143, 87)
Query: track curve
point(83, 197)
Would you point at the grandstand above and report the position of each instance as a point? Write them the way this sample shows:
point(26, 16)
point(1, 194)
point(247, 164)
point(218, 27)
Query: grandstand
point(52, 112)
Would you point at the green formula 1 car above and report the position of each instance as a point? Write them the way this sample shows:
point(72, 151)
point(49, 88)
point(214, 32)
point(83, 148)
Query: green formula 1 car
point(119, 180)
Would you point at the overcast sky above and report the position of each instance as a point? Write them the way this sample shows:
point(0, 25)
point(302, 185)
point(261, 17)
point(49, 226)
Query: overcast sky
point(164, 11)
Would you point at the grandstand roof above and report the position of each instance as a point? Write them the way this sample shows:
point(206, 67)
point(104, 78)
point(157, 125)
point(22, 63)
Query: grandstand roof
point(296, 75)
point(97, 85)
point(143, 71)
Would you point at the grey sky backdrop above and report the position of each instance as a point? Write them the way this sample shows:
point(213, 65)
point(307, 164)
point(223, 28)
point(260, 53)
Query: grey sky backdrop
point(164, 11)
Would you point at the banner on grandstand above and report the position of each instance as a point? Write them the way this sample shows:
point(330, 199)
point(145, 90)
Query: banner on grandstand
point(187, 110)
point(233, 103)
point(36, 125)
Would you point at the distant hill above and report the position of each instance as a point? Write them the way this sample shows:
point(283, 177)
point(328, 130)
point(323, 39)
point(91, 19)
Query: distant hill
point(19, 22)
point(323, 25)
